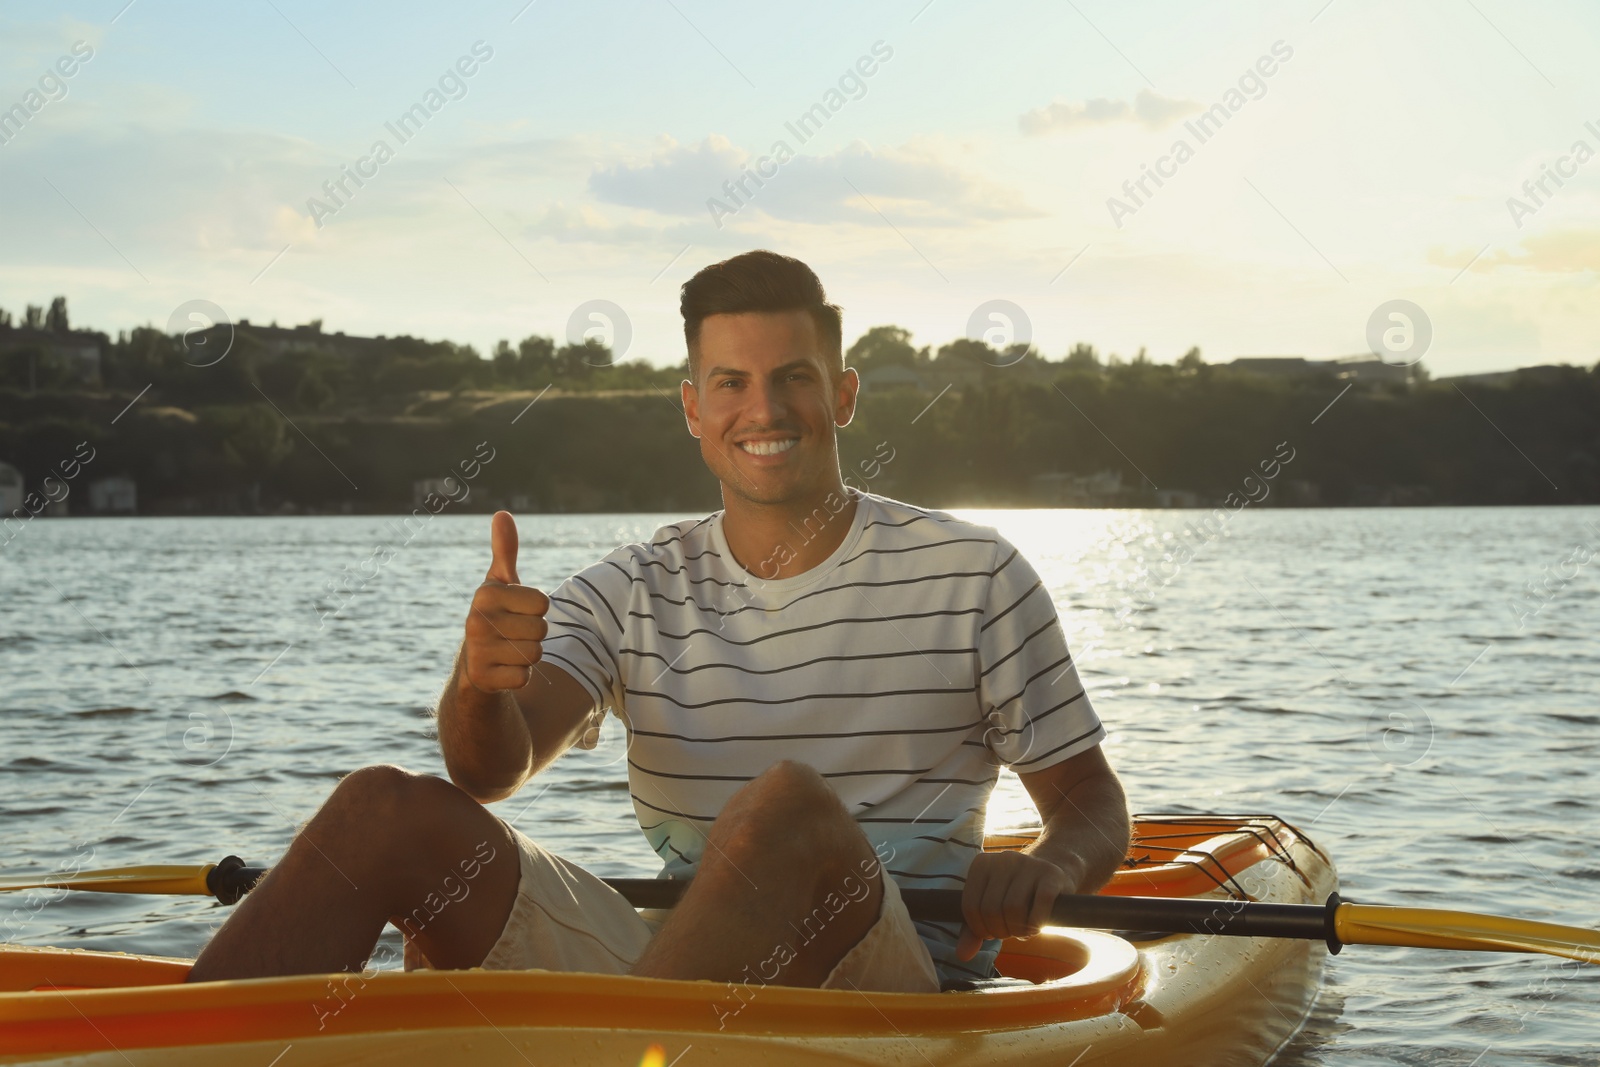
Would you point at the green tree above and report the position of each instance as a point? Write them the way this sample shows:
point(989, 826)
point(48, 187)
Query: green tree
point(255, 442)
point(884, 346)
point(1082, 357)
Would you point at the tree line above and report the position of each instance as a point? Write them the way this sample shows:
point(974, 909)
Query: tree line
point(328, 429)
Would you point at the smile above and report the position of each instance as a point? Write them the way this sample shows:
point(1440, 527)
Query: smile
point(769, 448)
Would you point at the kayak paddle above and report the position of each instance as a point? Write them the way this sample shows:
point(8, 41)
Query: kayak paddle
point(1337, 922)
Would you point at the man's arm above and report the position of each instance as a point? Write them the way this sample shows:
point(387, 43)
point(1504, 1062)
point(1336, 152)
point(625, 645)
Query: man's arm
point(1085, 839)
point(1086, 826)
point(502, 716)
point(493, 742)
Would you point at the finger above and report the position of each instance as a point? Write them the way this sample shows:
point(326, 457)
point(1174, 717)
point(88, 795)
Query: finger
point(968, 944)
point(1044, 897)
point(972, 894)
point(992, 911)
point(503, 545)
point(495, 626)
point(499, 678)
point(492, 598)
point(510, 653)
point(1018, 904)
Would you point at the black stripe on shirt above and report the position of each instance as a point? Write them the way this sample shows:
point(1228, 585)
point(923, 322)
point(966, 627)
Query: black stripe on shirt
point(856, 585)
point(966, 726)
point(1036, 585)
point(1063, 662)
point(601, 598)
point(793, 699)
point(1058, 748)
point(752, 777)
point(804, 629)
point(1032, 719)
point(1051, 621)
point(796, 666)
point(919, 548)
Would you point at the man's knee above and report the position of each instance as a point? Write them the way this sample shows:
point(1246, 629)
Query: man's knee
point(789, 806)
point(374, 791)
point(384, 795)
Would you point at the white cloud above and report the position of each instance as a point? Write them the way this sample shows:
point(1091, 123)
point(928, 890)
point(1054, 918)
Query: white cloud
point(1149, 109)
point(911, 185)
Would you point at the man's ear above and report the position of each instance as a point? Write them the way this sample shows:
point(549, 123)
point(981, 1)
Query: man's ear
point(691, 406)
point(845, 397)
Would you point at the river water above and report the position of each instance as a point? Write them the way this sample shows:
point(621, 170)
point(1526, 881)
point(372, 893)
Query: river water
point(178, 689)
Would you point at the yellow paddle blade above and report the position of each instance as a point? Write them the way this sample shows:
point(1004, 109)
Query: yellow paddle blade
point(1372, 924)
point(153, 878)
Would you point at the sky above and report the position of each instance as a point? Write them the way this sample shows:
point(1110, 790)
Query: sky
point(1356, 153)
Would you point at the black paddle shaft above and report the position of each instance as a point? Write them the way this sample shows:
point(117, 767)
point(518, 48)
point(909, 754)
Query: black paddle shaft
point(1225, 918)
point(232, 879)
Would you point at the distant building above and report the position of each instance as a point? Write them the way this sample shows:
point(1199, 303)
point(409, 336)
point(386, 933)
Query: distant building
point(10, 489)
point(1278, 366)
point(1365, 368)
point(275, 341)
point(116, 495)
point(1543, 374)
point(1177, 498)
point(444, 488)
point(79, 351)
point(1103, 489)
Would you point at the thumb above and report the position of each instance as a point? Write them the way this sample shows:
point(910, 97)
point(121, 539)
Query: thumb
point(503, 543)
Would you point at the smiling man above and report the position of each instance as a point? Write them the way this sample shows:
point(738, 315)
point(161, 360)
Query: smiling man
point(819, 686)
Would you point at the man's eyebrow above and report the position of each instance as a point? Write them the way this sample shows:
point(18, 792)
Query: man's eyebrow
point(730, 372)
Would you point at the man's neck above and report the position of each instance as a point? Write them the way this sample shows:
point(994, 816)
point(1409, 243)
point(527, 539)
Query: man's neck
point(774, 541)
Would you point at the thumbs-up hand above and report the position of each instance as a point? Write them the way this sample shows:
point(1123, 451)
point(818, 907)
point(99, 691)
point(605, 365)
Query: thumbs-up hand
point(506, 624)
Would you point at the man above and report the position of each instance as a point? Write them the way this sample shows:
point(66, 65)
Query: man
point(819, 686)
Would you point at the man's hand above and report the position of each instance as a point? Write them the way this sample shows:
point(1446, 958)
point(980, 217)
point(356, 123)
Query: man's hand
point(1008, 894)
point(506, 624)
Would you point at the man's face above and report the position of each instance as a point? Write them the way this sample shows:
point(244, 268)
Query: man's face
point(764, 406)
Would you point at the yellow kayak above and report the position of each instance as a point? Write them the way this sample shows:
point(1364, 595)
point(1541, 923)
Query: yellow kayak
point(1067, 997)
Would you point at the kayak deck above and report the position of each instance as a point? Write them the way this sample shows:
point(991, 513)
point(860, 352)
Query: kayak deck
point(1129, 999)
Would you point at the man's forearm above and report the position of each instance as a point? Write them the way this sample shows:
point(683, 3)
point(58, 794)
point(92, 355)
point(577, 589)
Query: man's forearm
point(483, 738)
point(1087, 832)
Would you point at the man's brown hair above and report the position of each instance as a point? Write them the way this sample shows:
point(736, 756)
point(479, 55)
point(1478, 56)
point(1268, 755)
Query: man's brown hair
point(760, 281)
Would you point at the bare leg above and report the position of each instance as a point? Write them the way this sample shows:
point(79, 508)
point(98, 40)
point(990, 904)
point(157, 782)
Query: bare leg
point(787, 885)
point(385, 844)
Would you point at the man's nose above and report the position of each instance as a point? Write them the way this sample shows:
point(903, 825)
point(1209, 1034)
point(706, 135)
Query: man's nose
point(765, 404)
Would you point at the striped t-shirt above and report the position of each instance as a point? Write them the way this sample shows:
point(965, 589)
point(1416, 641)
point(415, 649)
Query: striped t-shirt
point(906, 668)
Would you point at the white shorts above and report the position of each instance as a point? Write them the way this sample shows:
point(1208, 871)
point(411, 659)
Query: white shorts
point(566, 919)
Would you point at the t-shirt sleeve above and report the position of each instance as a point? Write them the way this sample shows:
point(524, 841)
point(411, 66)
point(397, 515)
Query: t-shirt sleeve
point(1028, 687)
point(585, 623)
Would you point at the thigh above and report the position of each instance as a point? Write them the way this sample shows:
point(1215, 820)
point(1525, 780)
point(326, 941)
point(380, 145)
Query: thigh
point(454, 864)
point(563, 918)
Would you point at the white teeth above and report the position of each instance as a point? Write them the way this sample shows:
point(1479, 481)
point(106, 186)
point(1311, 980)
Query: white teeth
point(768, 448)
